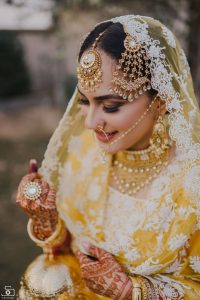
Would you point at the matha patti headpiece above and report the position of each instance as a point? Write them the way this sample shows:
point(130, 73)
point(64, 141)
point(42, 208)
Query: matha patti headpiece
point(89, 69)
point(131, 77)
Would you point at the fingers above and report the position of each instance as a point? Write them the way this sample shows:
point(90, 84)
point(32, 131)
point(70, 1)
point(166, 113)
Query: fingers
point(51, 198)
point(98, 253)
point(83, 259)
point(29, 177)
point(33, 168)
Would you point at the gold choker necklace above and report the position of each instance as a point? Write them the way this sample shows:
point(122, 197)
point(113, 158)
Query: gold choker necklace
point(133, 170)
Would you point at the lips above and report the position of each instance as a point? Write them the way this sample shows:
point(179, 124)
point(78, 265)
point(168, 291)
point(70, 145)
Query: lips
point(105, 138)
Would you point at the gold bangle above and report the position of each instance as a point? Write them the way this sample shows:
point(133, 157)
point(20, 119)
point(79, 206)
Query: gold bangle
point(137, 289)
point(145, 291)
point(140, 289)
point(56, 239)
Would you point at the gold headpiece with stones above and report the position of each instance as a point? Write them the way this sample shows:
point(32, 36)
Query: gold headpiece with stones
point(89, 69)
point(131, 77)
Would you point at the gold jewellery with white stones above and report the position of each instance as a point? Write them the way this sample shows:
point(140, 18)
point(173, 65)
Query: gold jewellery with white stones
point(133, 170)
point(100, 128)
point(89, 71)
point(32, 190)
point(131, 77)
point(142, 289)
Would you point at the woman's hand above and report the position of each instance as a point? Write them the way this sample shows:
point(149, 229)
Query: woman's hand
point(43, 210)
point(103, 274)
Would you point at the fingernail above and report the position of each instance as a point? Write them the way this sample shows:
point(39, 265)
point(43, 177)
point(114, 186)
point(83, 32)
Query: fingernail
point(33, 161)
point(33, 166)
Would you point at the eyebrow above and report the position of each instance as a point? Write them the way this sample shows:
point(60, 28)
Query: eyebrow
point(104, 97)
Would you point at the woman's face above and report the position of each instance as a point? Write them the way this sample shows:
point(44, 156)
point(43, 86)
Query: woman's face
point(105, 108)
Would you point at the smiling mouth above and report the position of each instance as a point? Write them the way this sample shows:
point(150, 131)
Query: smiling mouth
point(105, 137)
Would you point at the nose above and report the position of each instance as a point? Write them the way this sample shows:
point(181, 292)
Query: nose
point(92, 118)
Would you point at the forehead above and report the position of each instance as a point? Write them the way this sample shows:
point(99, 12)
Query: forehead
point(107, 67)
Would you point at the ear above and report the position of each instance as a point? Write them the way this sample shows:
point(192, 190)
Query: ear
point(161, 106)
point(163, 109)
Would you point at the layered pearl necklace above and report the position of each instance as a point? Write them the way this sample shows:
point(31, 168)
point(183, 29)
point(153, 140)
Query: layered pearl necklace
point(133, 170)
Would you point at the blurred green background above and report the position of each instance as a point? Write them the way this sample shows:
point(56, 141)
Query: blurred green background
point(39, 43)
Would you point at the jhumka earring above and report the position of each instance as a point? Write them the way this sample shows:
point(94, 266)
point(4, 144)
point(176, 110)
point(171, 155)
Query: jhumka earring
point(89, 70)
point(160, 141)
point(131, 77)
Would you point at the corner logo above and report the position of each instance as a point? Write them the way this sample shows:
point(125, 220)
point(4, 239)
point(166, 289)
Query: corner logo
point(8, 293)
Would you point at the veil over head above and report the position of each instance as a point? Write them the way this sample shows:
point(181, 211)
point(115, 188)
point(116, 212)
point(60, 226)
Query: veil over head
point(73, 147)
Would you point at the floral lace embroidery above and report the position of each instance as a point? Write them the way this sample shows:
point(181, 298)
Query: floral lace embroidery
point(185, 65)
point(148, 267)
point(167, 288)
point(174, 267)
point(195, 263)
point(162, 79)
point(177, 241)
point(169, 37)
point(192, 181)
point(134, 27)
point(184, 212)
point(154, 51)
point(168, 292)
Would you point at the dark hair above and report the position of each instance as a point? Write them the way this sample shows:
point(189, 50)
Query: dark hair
point(112, 42)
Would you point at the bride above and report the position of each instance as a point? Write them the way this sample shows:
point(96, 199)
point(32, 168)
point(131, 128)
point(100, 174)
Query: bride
point(115, 204)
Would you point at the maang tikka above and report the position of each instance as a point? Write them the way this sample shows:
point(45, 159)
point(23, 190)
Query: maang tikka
point(89, 71)
point(131, 77)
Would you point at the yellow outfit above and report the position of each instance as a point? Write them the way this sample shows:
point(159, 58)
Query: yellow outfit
point(157, 236)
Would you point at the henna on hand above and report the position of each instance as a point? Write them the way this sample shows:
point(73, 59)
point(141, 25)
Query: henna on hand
point(42, 211)
point(103, 274)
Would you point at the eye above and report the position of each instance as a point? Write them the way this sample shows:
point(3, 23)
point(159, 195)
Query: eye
point(106, 108)
point(83, 101)
point(111, 108)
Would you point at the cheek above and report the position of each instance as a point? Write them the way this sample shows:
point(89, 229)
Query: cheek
point(125, 118)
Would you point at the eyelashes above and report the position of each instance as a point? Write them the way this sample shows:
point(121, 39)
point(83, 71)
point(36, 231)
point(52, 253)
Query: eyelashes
point(83, 102)
point(106, 108)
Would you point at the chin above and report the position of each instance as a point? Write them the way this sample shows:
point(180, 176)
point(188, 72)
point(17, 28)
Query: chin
point(112, 150)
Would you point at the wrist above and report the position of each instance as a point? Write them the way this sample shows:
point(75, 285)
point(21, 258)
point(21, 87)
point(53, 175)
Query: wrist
point(129, 292)
point(125, 292)
point(57, 238)
point(43, 228)
point(41, 231)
